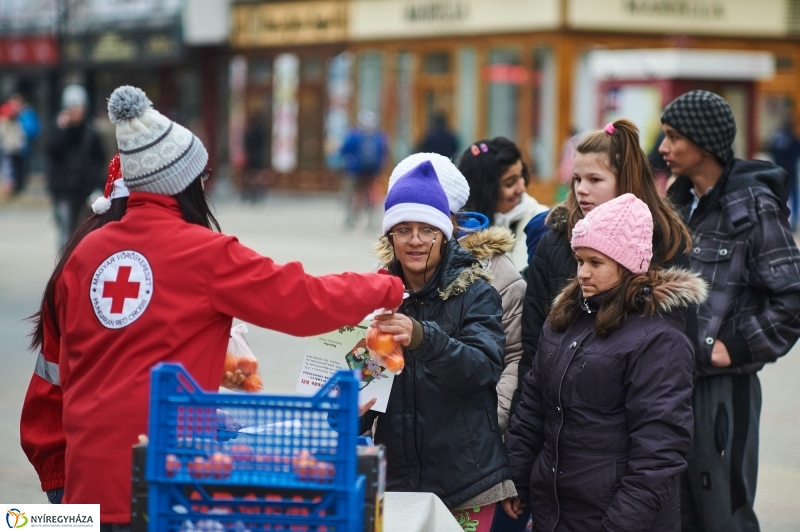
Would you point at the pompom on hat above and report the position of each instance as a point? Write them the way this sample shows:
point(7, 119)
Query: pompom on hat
point(622, 229)
point(156, 154)
point(455, 185)
point(418, 196)
point(115, 187)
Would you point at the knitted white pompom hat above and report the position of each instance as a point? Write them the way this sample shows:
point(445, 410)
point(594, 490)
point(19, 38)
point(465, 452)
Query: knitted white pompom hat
point(157, 154)
point(452, 180)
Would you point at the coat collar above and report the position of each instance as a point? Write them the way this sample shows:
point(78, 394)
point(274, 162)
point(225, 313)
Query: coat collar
point(674, 289)
point(149, 200)
point(457, 270)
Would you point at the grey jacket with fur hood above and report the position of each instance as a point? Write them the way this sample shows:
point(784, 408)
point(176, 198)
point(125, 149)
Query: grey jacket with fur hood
point(491, 247)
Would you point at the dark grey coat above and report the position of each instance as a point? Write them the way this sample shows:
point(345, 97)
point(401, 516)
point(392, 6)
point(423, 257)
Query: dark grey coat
point(744, 249)
point(599, 438)
point(440, 427)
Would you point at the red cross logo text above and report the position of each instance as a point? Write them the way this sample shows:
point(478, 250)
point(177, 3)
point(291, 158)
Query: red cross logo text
point(121, 289)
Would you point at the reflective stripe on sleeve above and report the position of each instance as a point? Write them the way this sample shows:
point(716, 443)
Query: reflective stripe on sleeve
point(47, 370)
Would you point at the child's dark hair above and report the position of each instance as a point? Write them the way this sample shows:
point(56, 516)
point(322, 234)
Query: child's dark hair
point(483, 163)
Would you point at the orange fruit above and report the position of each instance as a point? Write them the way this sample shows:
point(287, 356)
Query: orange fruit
point(230, 363)
point(247, 364)
point(380, 343)
point(252, 383)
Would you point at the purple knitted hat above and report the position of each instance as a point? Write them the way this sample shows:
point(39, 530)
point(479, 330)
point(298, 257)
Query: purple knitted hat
point(417, 196)
point(622, 229)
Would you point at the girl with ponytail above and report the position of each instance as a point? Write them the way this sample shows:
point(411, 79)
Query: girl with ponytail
point(608, 163)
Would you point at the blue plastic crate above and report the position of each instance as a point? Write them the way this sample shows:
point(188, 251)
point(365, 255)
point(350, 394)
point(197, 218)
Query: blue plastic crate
point(205, 508)
point(286, 443)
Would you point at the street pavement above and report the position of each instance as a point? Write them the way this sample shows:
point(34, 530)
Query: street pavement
point(309, 229)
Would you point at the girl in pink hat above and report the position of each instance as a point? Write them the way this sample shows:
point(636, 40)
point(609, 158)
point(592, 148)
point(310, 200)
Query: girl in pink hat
point(599, 437)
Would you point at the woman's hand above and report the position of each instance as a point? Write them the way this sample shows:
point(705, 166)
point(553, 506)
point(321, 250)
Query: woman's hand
point(398, 325)
point(513, 507)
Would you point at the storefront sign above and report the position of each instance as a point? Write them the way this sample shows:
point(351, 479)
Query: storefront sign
point(289, 23)
point(29, 51)
point(391, 19)
point(124, 46)
point(711, 17)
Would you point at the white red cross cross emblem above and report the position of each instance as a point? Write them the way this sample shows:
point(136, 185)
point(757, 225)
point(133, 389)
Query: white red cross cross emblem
point(121, 289)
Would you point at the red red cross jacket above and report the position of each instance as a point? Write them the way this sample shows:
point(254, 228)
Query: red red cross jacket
point(153, 288)
point(41, 433)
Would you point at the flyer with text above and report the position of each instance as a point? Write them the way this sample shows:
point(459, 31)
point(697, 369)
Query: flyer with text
point(345, 348)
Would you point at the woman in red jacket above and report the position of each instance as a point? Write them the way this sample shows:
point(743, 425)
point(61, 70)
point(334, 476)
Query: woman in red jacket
point(160, 285)
point(41, 432)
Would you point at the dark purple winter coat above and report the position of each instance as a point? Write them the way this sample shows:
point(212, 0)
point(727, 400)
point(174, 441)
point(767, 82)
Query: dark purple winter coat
point(599, 438)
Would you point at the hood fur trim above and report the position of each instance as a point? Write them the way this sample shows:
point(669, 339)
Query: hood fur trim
point(488, 242)
point(383, 249)
point(679, 289)
point(674, 289)
point(558, 218)
point(464, 280)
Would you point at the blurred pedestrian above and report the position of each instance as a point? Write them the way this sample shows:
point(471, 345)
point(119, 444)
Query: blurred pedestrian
point(254, 187)
point(363, 154)
point(41, 429)
point(439, 138)
point(608, 163)
point(498, 180)
point(784, 148)
point(441, 421)
point(30, 125)
point(164, 264)
point(736, 211)
point(599, 437)
point(76, 162)
point(12, 145)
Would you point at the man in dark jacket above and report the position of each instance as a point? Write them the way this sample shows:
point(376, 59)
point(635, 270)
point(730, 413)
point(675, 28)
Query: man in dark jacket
point(439, 139)
point(77, 162)
point(736, 211)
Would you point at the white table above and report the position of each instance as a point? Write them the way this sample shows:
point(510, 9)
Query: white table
point(416, 512)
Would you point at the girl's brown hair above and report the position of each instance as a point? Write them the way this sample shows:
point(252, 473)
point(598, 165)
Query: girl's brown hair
point(632, 169)
point(634, 294)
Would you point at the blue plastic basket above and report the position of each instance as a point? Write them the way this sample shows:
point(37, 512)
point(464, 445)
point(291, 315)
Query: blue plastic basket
point(203, 443)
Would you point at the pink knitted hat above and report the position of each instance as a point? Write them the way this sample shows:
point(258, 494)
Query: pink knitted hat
point(622, 229)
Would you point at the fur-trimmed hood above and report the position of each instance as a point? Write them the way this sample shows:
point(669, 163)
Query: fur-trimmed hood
point(488, 242)
point(459, 271)
point(674, 289)
point(558, 218)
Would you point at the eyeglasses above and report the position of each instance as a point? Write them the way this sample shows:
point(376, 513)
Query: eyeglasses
point(405, 235)
point(206, 174)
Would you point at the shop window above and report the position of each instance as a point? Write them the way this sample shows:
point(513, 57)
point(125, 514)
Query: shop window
point(404, 142)
point(370, 78)
point(261, 71)
point(504, 74)
point(467, 96)
point(436, 63)
point(542, 141)
point(340, 89)
point(312, 69)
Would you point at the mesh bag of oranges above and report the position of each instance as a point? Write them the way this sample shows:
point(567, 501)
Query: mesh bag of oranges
point(241, 365)
point(385, 349)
